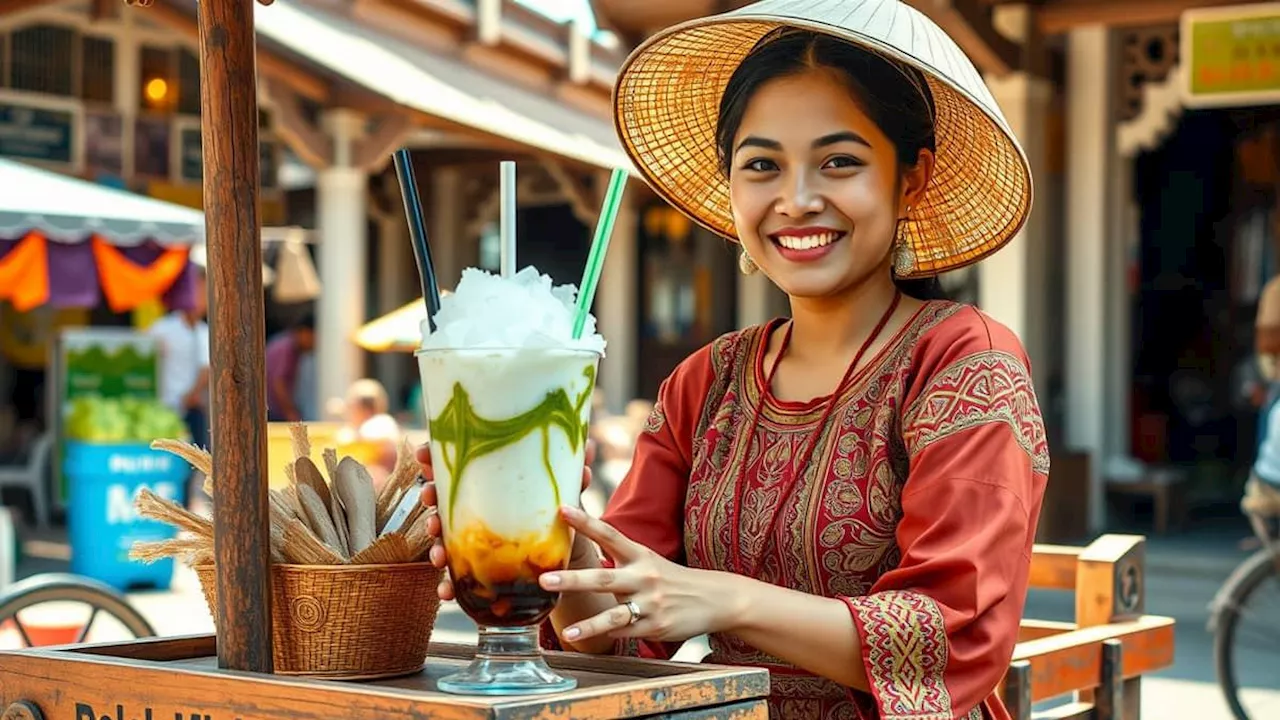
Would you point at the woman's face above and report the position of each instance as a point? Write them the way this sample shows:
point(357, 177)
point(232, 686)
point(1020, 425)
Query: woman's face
point(815, 186)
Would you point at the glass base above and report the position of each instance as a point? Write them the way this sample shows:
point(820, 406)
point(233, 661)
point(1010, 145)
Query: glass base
point(508, 661)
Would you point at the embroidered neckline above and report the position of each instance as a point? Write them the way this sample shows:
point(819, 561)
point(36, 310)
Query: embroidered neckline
point(751, 384)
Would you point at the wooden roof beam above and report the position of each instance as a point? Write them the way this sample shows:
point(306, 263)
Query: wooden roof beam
point(1054, 17)
point(969, 23)
point(270, 63)
point(13, 7)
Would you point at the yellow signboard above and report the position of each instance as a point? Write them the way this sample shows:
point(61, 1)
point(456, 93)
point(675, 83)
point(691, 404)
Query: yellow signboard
point(1231, 55)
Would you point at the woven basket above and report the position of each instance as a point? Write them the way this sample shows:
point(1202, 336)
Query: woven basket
point(347, 622)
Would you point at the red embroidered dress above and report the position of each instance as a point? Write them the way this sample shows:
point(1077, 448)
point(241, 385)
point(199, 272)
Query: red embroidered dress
point(918, 508)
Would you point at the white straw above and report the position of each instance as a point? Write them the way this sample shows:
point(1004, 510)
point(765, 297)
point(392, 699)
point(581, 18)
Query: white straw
point(507, 224)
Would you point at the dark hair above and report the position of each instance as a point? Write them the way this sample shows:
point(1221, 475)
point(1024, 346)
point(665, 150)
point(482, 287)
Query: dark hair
point(896, 97)
point(306, 322)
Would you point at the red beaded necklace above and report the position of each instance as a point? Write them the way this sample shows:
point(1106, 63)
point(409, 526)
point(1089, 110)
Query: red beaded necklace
point(740, 564)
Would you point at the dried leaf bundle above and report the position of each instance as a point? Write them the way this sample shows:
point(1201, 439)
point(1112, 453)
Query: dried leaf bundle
point(314, 520)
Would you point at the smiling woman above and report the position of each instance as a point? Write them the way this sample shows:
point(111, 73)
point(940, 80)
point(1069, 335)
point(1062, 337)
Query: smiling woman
point(853, 114)
point(847, 497)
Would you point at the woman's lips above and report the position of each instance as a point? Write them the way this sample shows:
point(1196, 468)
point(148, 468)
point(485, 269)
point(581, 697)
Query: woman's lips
point(805, 247)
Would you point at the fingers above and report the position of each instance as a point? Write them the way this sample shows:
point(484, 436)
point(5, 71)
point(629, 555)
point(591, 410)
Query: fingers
point(439, 559)
point(433, 526)
point(423, 456)
point(437, 555)
point(612, 620)
point(445, 589)
point(610, 580)
point(429, 497)
point(605, 535)
point(590, 460)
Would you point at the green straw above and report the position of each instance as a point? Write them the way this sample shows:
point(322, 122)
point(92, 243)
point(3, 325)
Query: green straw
point(599, 246)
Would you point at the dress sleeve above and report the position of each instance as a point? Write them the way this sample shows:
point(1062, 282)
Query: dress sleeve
point(938, 631)
point(648, 506)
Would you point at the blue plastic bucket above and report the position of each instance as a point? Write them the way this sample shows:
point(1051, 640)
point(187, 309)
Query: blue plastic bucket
point(103, 482)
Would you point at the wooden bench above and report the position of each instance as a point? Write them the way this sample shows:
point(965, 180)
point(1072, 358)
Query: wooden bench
point(1096, 663)
point(1165, 487)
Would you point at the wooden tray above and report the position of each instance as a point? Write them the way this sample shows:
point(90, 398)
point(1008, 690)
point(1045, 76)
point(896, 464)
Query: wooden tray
point(178, 678)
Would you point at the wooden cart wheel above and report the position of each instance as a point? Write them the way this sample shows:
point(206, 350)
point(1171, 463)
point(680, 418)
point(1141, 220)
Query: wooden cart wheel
point(22, 710)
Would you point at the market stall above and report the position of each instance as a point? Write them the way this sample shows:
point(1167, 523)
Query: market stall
point(69, 245)
point(67, 242)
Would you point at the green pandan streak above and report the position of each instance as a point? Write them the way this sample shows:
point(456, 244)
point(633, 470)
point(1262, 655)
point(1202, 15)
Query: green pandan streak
point(465, 436)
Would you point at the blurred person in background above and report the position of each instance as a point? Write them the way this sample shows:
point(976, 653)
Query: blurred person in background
point(369, 425)
point(284, 353)
point(306, 388)
point(182, 338)
point(182, 343)
point(1262, 490)
point(1267, 349)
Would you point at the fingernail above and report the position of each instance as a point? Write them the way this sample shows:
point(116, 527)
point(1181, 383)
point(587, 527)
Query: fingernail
point(550, 580)
point(572, 511)
point(572, 633)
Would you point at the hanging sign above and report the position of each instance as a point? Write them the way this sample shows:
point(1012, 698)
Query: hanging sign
point(34, 133)
point(1231, 55)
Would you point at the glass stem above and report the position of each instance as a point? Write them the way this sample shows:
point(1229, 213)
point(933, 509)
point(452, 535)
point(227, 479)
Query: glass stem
point(498, 643)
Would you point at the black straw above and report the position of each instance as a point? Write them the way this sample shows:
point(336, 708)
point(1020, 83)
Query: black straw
point(418, 234)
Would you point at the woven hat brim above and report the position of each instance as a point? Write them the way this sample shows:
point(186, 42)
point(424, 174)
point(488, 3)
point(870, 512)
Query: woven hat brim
point(667, 100)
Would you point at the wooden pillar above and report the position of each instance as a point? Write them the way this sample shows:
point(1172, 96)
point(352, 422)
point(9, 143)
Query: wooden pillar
point(1013, 285)
point(1090, 137)
point(448, 225)
point(229, 130)
point(342, 216)
point(615, 308)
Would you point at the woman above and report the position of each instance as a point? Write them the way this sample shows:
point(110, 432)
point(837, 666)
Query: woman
point(849, 497)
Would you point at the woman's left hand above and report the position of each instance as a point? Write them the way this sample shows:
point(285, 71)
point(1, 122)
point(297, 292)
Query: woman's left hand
point(675, 602)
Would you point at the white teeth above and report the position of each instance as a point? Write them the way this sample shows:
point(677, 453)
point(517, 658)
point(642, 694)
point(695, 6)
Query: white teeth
point(807, 242)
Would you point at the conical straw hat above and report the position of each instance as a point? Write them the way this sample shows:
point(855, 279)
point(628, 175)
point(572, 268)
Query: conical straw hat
point(667, 100)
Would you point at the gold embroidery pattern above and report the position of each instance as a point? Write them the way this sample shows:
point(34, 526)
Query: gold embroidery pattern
point(981, 389)
point(657, 418)
point(905, 645)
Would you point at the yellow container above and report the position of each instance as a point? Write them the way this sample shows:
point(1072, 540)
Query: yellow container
point(323, 435)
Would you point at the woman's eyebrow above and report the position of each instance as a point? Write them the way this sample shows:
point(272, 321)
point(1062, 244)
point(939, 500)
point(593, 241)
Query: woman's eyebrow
point(759, 142)
point(839, 137)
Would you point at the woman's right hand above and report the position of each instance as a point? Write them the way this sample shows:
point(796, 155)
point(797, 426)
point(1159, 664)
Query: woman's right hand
point(429, 498)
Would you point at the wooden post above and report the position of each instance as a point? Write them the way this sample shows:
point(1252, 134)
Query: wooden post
point(1017, 690)
point(229, 132)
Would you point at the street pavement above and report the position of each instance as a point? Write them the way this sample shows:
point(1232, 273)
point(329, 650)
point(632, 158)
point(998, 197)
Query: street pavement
point(1183, 575)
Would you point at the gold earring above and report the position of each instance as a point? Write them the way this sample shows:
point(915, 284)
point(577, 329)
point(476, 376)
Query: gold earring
point(746, 265)
point(904, 259)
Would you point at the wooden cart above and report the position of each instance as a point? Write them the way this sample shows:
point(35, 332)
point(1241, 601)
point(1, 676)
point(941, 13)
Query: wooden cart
point(1096, 661)
point(231, 678)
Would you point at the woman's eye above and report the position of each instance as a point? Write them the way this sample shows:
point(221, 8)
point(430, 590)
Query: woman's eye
point(844, 161)
point(761, 165)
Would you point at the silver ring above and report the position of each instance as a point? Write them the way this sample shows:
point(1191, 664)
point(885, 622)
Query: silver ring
point(635, 611)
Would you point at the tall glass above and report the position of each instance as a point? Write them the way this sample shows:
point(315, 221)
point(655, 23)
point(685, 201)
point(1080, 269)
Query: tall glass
point(508, 443)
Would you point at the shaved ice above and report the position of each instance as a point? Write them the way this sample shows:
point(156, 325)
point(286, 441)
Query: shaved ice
point(524, 311)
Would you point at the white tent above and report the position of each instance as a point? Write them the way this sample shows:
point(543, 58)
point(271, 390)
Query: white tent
point(70, 210)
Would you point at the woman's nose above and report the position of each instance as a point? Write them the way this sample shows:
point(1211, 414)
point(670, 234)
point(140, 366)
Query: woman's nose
point(799, 198)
